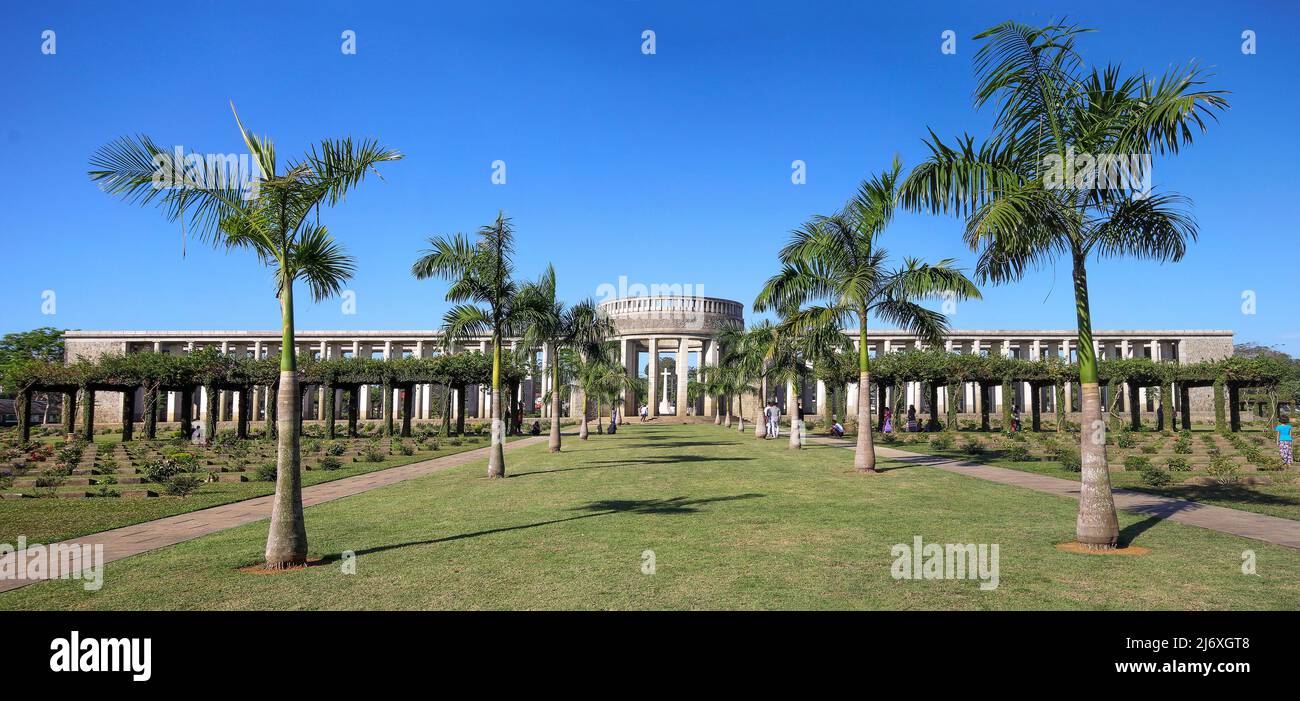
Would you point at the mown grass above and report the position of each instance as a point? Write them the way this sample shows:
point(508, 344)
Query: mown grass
point(732, 522)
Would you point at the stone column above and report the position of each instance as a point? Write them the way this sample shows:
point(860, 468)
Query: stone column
point(683, 372)
point(823, 411)
point(653, 378)
point(363, 411)
point(631, 350)
point(223, 396)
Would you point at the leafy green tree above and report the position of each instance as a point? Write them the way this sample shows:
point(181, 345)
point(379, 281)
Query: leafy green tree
point(1023, 210)
point(834, 272)
point(45, 344)
point(487, 302)
point(272, 218)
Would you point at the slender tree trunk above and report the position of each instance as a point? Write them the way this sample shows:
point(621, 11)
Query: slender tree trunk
point(580, 402)
point(497, 453)
point(760, 426)
point(740, 413)
point(554, 442)
point(1097, 525)
point(864, 454)
point(461, 402)
point(792, 405)
point(726, 409)
point(286, 541)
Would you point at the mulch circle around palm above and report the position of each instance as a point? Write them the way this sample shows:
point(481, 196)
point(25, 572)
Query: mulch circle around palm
point(1075, 546)
point(262, 569)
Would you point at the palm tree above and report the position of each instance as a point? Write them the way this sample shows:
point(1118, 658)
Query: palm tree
point(579, 327)
point(837, 262)
point(1021, 212)
point(487, 301)
point(270, 217)
point(599, 377)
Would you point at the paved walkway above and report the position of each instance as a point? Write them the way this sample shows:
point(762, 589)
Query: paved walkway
point(1270, 529)
point(151, 535)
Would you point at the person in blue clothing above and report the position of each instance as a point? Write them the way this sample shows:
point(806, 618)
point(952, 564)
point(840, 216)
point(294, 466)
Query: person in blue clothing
point(1283, 429)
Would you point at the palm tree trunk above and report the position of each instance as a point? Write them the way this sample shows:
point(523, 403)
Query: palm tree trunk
point(286, 541)
point(497, 453)
point(581, 404)
point(555, 400)
point(740, 413)
point(726, 402)
point(792, 406)
point(864, 455)
point(760, 425)
point(600, 426)
point(1097, 526)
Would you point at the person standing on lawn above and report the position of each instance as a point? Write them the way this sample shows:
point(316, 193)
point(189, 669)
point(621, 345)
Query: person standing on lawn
point(1283, 430)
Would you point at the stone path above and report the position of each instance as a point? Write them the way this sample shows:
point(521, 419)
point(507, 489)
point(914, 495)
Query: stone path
point(1270, 529)
point(151, 535)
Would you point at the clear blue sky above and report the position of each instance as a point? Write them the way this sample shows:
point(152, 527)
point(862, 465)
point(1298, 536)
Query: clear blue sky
point(671, 168)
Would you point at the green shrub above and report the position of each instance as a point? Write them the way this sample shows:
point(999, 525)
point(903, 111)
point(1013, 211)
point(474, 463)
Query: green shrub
point(1017, 453)
point(335, 449)
point(1155, 477)
point(1183, 446)
point(162, 469)
point(1126, 439)
point(70, 453)
point(49, 481)
point(1223, 470)
point(1070, 460)
point(1178, 464)
point(1137, 463)
point(312, 446)
point(972, 446)
point(267, 472)
point(1270, 463)
point(373, 452)
point(329, 463)
point(941, 441)
point(183, 484)
point(1150, 449)
point(403, 447)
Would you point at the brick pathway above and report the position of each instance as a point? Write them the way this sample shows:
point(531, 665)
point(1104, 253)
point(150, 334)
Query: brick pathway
point(1270, 529)
point(151, 535)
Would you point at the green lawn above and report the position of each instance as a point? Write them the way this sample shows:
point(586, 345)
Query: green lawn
point(49, 519)
point(733, 522)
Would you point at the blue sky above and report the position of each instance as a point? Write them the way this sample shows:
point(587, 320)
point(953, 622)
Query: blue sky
point(670, 168)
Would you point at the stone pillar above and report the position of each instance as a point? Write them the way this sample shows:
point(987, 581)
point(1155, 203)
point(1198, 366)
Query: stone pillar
point(709, 357)
point(171, 407)
point(683, 373)
point(223, 396)
point(631, 351)
point(363, 411)
point(653, 378)
point(823, 411)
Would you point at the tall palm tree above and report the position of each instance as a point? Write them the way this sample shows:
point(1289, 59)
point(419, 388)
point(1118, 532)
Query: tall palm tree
point(487, 302)
point(599, 377)
point(272, 218)
point(834, 272)
point(551, 323)
point(1021, 212)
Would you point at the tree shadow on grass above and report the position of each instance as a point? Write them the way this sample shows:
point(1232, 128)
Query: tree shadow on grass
point(602, 464)
point(608, 507)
